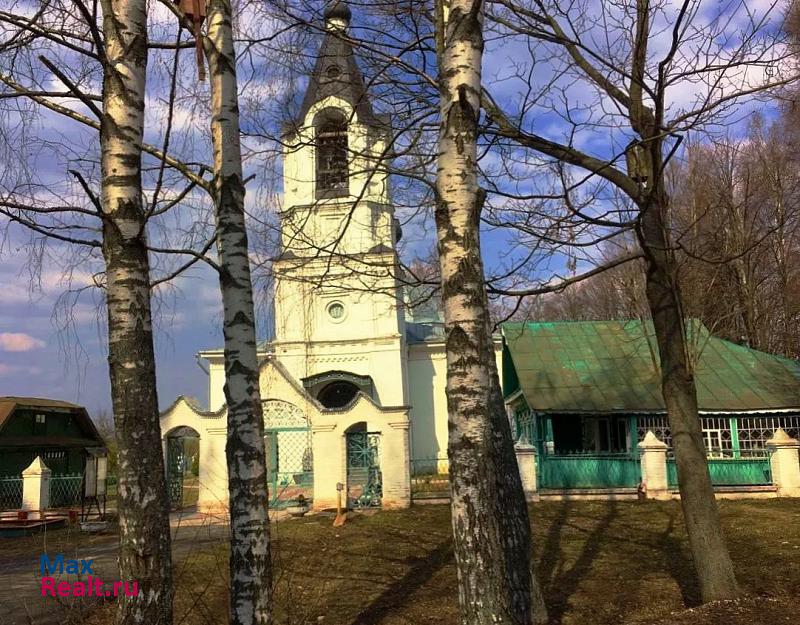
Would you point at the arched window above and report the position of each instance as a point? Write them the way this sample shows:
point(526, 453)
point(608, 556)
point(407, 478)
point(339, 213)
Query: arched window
point(337, 394)
point(331, 143)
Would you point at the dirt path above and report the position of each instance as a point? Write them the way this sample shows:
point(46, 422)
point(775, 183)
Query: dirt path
point(21, 602)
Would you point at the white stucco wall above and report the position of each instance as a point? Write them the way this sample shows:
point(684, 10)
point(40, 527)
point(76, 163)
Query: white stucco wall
point(328, 429)
point(324, 242)
point(212, 428)
point(427, 378)
point(216, 372)
point(427, 381)
point(366, 181)
point(304, 291)
point(381, 359)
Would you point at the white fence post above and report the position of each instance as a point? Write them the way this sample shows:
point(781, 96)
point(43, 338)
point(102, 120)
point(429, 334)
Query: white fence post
point(784, 463)
point(526, 461)
point(36, 486)
point(654, 467)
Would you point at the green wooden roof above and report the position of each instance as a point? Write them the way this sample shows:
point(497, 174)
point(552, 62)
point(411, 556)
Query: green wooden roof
point(611, 366)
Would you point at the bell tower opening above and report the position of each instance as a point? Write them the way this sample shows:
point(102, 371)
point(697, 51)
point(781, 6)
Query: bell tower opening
point(331, 143)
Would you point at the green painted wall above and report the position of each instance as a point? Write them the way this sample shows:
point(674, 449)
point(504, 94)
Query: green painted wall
point(60, 459)
point(23, 423)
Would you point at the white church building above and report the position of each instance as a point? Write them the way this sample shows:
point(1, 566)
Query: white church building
point(353, 384)
point(353, 387)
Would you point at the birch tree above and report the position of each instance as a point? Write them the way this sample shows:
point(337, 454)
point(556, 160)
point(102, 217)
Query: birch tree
point(142, 495)
point(118, 48)
point(250, 565)
point(491, 528)
point(250, 587)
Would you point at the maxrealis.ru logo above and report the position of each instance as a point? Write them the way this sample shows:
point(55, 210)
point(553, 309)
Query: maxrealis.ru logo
point(90, 587)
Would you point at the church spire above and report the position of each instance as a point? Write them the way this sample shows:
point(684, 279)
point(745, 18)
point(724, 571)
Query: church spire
point(336, 73)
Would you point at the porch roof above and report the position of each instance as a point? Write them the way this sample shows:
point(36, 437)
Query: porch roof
point(611, 366)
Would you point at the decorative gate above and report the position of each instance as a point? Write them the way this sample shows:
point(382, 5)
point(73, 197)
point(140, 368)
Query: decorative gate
point(175, 468)
point(290, 463)
point(364, 482)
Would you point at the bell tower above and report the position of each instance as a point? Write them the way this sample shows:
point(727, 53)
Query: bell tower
point(337, 299)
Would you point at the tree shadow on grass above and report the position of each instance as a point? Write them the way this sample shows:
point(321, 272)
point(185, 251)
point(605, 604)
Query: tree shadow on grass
point(396, 594)
point(667, 548)
point(678, 563)
point(560, 584)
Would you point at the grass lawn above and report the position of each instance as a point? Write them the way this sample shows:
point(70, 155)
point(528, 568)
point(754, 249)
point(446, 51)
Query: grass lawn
point(599, 563)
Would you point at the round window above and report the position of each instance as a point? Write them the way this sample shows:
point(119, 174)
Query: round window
point(336, 311)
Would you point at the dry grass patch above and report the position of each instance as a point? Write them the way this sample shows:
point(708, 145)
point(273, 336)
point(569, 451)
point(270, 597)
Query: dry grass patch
point(600, 563)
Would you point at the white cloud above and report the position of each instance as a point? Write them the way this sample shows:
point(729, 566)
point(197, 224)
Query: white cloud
point(19, 342)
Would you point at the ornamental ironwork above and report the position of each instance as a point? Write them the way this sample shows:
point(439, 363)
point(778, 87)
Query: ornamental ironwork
point(290, 461)
point(175, 469)
point(364, 479)
point(754, 432)
point(728, 436)
point(282, 414)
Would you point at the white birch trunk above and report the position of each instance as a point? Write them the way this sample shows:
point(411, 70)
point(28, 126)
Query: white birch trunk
point(250, 566)
point(491, 530)
point(144, 551)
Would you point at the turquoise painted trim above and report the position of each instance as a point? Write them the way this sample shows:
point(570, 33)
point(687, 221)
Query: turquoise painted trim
point(730, 472)
point(540, 450)
point(737, 450)
point(589, 471)
point(633, 432)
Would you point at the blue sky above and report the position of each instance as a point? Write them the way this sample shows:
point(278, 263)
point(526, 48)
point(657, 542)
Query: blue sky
point(40, 356)
point(52, 344)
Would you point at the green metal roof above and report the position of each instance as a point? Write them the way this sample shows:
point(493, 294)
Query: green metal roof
point(611, 366)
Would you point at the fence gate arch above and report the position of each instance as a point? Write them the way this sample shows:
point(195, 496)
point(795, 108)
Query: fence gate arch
point(183, 467)
point(364, 478)
point(290, 461)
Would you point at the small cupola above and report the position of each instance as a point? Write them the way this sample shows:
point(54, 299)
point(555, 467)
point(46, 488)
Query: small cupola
point(337, 16)
point(336, 73)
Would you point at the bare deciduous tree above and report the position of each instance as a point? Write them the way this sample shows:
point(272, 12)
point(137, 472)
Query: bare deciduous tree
point(250, 565)
point(615, 52)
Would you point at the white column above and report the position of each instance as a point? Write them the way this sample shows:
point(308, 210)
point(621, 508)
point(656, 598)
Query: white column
point(526, 461)
point(328, 446)
point(36, 486)
point(785, 464)
point(395, 466)
point(213, 478)
point(165, 455)
point(654, 467)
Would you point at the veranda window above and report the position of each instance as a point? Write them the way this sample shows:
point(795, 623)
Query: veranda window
point(743, 436)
